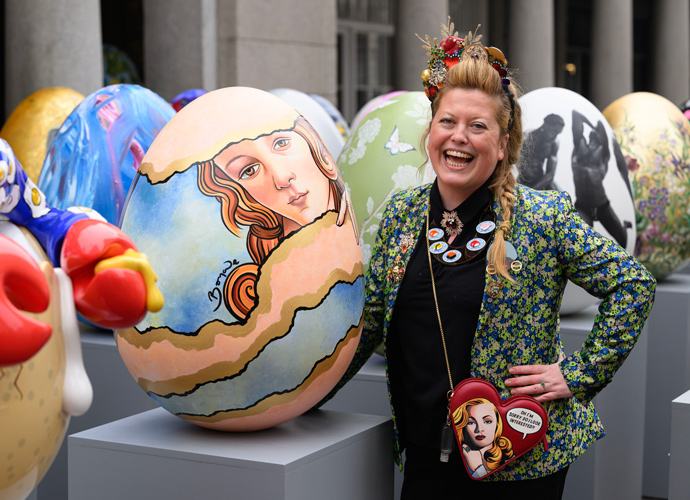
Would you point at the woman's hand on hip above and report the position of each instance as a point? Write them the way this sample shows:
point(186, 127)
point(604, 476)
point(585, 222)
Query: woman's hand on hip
point(544, 382)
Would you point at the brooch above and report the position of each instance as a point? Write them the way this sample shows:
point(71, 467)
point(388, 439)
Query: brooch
point(398, 271)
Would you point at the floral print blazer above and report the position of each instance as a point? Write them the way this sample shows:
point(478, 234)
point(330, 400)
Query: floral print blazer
point(520, 326)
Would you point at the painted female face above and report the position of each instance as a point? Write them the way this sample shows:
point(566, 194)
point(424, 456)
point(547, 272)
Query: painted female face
point(481, 428)
point(465, 143)
point(278, 171)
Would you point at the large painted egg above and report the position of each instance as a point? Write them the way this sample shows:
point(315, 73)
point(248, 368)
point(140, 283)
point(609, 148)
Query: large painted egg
point(570, 147)
point(94, 156)
point(655, 142)
point(33, 124)
point(382, 157)
point(316, 115)
point(39, 395)
point(245, 219)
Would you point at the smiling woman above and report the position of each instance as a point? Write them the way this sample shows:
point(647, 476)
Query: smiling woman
point(275, 183)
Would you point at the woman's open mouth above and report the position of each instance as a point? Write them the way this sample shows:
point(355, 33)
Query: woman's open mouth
point(457, 158)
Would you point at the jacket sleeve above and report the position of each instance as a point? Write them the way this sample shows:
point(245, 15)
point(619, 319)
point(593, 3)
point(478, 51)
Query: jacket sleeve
point(626, 288)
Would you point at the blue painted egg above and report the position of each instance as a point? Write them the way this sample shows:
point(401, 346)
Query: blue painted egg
point(96, 152)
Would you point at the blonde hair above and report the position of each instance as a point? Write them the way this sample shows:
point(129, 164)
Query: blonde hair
point(501, 448)
point(479, 75)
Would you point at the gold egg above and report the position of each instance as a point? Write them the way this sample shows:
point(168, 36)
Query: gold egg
point(34, 122)
point(426, 75)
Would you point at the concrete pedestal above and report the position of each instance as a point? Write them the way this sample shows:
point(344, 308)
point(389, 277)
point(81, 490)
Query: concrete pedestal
point(321, 454)
point(668, 375)
point(679, 479)
point(611, 467)
point(115, 395)
point(367, 393)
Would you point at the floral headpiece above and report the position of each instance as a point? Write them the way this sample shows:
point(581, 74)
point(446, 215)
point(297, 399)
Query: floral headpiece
point(451, 51)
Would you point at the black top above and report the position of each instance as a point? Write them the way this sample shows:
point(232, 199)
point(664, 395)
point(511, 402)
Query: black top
point(417, 366)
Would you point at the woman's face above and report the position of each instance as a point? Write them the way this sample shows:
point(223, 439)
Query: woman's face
point(279, 172)
point(465, 143)
point(481, 428)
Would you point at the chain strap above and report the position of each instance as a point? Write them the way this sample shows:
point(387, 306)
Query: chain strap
point(438, 312)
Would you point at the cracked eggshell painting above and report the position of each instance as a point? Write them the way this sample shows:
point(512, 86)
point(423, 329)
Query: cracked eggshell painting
point(245, 219)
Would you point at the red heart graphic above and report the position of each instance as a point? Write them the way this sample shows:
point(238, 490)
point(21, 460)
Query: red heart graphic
point(490, 432)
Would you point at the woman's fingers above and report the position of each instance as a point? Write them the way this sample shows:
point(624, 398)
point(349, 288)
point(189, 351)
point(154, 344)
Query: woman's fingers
point(543, 382)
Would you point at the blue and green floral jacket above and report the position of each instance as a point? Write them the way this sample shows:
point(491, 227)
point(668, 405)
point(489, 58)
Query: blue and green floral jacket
point(521, 325)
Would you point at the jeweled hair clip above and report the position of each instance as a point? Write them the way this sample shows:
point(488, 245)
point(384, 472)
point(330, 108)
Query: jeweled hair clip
point(451, 51)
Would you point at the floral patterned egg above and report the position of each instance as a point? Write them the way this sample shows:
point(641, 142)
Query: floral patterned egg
point(33, 124)
point(655, 141)
point(245, 218)
point(96, 152)
point(569, 146)
point(383, 156)
point(372, 104)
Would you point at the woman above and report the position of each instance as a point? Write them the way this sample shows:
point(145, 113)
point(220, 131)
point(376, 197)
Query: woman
point(275, 184)
point(475, 316)
point(481, 437)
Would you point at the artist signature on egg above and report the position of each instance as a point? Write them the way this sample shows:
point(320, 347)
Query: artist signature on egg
point(216, 295)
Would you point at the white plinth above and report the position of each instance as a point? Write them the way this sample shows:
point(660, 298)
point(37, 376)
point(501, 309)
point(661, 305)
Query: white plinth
point(668, 375)
point(679, 479)
point(321, 454)
point(612, 467)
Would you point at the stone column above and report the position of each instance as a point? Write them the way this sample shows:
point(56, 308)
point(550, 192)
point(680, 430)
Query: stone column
point(49, 43)
point(612, 51)
point(180, 46)
point(277, 44)
point(531, 47)
point(424, 18)
point(670, 67)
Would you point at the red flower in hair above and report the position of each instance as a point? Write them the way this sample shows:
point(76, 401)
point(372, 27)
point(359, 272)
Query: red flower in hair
point(451, 47)
point(501, 71)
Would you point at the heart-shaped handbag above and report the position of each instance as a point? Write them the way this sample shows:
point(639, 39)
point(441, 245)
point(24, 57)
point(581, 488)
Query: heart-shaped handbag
point(491, 432)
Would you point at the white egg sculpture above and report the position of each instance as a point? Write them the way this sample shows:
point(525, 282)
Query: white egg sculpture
point(569, 146)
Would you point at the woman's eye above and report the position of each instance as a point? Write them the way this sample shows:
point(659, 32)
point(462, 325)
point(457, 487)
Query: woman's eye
point(281, 143)
point(249, 171)
point(488, 421)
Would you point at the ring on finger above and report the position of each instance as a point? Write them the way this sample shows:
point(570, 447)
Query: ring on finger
point(543, 387)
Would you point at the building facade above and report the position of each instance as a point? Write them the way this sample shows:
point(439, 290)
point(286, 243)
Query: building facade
point(348, 51)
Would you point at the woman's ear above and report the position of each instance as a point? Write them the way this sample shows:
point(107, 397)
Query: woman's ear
point(503, 145)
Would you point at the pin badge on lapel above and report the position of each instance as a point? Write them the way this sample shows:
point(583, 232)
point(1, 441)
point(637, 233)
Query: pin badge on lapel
point(397, 272)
